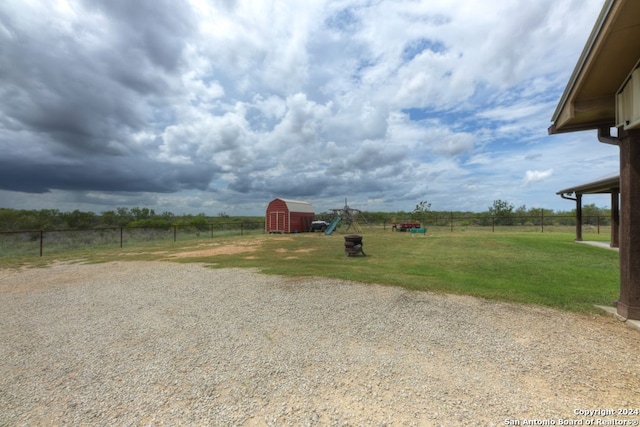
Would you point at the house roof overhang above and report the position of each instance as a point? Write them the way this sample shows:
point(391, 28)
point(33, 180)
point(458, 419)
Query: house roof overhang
point(600, 186)
point(610, 54)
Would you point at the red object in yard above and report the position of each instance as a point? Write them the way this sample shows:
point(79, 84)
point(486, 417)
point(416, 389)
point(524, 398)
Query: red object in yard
point(409, 225)
point(288, 216)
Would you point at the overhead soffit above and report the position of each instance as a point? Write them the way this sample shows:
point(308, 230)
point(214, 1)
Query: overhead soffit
point(611, 52)
point(600, 186)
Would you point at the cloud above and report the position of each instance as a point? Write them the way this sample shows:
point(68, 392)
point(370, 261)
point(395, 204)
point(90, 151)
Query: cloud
point(534, 176)
point(119, 174)
point(223, 105)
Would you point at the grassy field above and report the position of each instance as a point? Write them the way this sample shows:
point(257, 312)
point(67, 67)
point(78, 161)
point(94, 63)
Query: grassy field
point(525, 267)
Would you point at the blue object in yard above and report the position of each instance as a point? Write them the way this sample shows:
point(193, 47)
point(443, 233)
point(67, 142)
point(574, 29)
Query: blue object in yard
point(332, 226)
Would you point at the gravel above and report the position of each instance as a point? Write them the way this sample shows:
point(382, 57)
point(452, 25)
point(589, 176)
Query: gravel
point(161, 343)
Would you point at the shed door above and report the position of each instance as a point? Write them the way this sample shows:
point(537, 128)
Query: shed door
point(277, 221)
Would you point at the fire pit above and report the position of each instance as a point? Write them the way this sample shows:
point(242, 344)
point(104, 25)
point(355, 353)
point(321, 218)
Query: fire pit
point(353, 245)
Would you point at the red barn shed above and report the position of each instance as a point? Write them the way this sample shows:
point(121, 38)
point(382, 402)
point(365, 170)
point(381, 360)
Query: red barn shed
point(288, 216)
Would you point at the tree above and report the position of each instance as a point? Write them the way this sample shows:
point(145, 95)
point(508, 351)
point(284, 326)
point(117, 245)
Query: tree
point(199, 222)
point(166, 215)
point(502, 212)
point(78, 220)
point(110, 218)
point(421, 210)
point(591, 212)
point(142, 213)
point(124, 216)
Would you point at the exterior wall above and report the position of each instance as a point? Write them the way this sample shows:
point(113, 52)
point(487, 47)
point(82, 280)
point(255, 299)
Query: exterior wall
point(300, 221)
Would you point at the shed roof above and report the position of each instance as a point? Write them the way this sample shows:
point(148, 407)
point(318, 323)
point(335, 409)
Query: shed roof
point(599, 186)
point(610, 54)
point(298, 205)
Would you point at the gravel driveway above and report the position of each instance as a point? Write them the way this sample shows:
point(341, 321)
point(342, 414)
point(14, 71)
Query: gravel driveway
point(161, 343)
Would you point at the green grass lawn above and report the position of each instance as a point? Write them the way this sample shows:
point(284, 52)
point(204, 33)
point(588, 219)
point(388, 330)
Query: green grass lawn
point(548, 269)
point(525, 267)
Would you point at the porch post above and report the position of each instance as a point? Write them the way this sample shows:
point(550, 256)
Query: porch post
point(578, 217)
point(615, 217)
point(628, 305)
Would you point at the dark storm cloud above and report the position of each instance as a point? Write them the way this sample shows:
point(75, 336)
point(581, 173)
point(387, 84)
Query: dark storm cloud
point(155, 30)
point(297, 185)
point(50, 87)
point(82, 90)
point(115, 174)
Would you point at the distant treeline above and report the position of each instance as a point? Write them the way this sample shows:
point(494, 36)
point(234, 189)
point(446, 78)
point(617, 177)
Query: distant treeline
point(501, 213)
point(53, 219)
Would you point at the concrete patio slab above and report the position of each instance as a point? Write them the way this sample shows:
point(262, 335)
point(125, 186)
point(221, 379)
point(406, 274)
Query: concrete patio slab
point(605, 245)
point(612, 311)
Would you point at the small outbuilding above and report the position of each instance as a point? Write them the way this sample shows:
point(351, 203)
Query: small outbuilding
point(288, 216)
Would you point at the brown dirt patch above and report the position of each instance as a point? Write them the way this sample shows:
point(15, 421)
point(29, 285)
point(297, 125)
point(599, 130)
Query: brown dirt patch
point(53, 276)
point(215, 249)
point(124, 254)
point(221, 250)
point(282, 250)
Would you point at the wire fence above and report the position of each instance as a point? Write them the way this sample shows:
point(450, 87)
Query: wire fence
point(37, 242)
point(514, 223)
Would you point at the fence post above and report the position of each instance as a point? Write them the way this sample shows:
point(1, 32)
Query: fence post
point(451, 220)
point(41, 238)
point(598, 220)
point(542, 219)
point(493, 224)
point(175, 232)
point(242, 228)
point(212, 231)
point(120, 236)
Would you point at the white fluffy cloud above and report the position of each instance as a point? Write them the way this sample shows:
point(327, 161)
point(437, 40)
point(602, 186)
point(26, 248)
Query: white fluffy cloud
point(533, 176)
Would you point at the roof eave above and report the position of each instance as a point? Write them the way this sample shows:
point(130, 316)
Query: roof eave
point(599, 186)
point(554, 130)
point(578, 71)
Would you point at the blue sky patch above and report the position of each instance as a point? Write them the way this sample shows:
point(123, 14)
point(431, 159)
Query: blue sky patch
point(416, 47)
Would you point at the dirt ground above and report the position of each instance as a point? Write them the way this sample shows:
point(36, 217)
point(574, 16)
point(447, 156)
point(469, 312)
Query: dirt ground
point(165, 343)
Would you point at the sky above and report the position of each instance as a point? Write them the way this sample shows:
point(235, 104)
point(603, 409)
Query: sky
point(220, 106)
